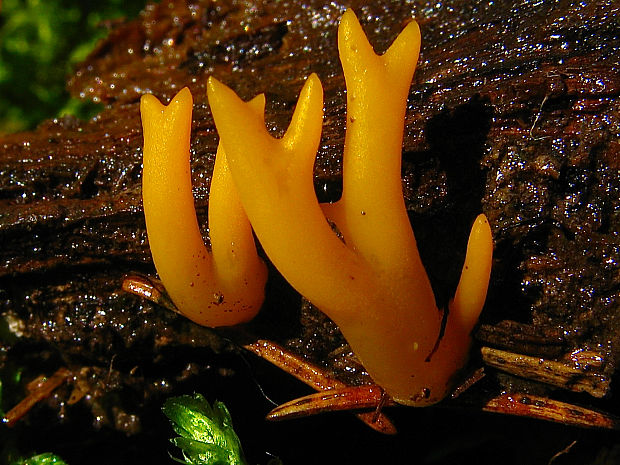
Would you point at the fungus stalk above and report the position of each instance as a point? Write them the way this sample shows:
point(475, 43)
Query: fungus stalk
point(373, 284)
point(221, 289)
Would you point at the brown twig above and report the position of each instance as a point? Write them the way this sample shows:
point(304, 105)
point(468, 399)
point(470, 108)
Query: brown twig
point(40, 389)
point(348, 398)
point(542, 408)
point(316, 378)
point(567, 375)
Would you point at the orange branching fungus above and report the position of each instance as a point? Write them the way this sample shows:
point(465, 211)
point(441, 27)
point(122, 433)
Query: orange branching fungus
point(221, 289)
point(372, 284)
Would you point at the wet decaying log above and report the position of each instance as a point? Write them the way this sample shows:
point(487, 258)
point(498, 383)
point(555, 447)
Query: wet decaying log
point(514, 111)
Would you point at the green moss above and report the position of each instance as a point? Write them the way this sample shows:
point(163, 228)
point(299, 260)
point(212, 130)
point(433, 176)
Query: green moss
point(40, 42)
point(206, 434)
point(46, 458)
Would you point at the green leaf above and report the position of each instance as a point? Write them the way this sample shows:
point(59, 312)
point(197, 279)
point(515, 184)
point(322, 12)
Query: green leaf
point(206, 434)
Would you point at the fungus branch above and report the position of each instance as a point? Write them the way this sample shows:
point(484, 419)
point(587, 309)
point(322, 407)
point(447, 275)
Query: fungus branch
point(228, 288)
point(373, 285)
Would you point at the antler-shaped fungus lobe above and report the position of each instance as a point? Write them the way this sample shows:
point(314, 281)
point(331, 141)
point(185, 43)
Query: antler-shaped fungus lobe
point(219, 290)
point(373, 285)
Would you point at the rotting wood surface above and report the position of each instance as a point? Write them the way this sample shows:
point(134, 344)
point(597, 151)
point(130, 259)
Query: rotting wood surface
point(514, 111)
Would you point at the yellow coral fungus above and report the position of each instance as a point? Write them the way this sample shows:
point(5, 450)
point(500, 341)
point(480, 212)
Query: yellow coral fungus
point(373, 285)
point(222, 290)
